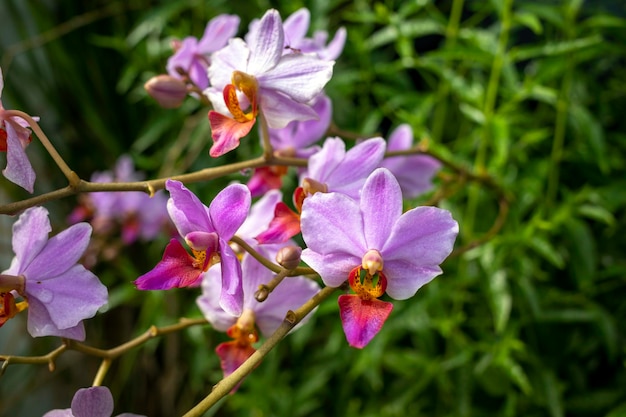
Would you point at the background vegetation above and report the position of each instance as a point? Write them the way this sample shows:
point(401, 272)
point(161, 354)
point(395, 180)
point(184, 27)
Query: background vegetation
point(533, 93)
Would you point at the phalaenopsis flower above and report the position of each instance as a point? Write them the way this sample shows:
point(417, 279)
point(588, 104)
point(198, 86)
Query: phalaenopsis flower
point(90, 402)
point(375, 247)
point(206, 231)
point(45, 276)
point(257, 77)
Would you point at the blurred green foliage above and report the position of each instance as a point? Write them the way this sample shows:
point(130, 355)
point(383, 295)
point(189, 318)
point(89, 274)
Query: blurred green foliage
point(531, 92)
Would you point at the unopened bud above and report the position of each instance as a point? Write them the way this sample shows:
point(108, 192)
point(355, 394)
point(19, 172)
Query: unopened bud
point(289, 257)
point(168, 91)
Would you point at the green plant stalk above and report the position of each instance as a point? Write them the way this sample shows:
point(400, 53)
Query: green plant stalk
point(452, 33)
point(488, 110)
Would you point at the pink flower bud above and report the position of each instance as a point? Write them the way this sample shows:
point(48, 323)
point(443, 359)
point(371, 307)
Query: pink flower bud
point(168, 91)
point(289, 257)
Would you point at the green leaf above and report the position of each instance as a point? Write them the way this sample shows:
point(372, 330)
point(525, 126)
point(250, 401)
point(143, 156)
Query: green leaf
point(472, 113)
point(544, 248)
point(529, 20)
point(524, 53)
point(500, 299)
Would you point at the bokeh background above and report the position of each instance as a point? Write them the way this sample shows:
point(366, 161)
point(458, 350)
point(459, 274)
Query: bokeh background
point(533, 93)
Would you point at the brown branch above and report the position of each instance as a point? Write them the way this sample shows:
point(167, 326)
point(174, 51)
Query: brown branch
point(106, 354)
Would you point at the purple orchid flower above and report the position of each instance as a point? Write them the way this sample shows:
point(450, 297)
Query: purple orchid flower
point(192, 56)
point(414, 173)
point(206, 230)
point(330, 170)
point(258, 75)
point(59, 292)
point(14, 138)
point(140, 215)
point(377, 248)
point(268, 315)
point(296, 27)
point(90, 402)
point(337, 170)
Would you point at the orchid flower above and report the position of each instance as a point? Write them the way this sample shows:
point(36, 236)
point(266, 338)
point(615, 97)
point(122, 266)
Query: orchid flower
point(268, 315)
point(206, 230)
point(90, 402)
point(14, 138)
point(376, 247)
point(192, 56)
point(140, 215)
point(330, 170)
point(256, 75)
point(415, 172)
point(59, 292)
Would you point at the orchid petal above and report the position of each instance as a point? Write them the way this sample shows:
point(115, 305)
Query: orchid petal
point(18, 170)
point(334, 47)
point(279, 110)
point(267, 43)
point(301, 77)
point(331, 222)
point(283, 226)
point(92, 402)
point(424, 235)
point(229, 209)
point(40, 323)
point(226, 133)
point(223, 63)
point(70, 297)
point(30, 235)
point(72, 243)
point(174, 270)
point(404, 278)
point(209, 301)
point(334, 268)
point(289, 295)
point(296, 26)
point(356, 166)
point(381, 207)
point(217, 33)
point(323, 163)
point(362, 319)
point(232, 355)
point(186, 210)
point(231, 294)
point(203, 241)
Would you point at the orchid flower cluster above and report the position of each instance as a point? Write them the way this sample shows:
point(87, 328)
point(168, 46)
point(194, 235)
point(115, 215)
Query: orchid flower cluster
point(243, 255)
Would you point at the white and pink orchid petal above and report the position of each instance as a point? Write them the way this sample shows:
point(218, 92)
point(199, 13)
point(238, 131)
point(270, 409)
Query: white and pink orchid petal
point(279, 110)
point(301, 77)
point(266, 44)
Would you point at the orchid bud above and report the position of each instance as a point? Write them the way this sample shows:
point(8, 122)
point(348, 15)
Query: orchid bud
point(289, 257)
point(168, 91)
